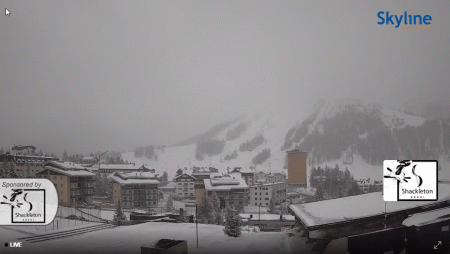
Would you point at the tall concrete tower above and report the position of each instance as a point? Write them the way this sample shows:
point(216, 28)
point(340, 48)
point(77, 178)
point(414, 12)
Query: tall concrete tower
point(297, 168)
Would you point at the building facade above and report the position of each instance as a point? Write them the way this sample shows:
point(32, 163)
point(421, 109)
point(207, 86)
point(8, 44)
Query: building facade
point(199, 185)
point(231, 191)
point(74, 183)
point(297, 168)
point(135, 189)
point(368, 185)
point(260, 195)
point(22, 162)
point(185, 186)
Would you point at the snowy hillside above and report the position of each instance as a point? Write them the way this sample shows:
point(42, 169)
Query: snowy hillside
point(272, 128)
point(334, 133)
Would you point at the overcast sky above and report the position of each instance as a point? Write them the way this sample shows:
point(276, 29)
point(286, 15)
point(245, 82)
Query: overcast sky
point(103, 75)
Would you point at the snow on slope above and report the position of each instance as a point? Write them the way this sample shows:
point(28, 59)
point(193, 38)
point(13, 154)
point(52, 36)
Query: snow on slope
point(272, 127)
point(359, 168)
point(390, 116)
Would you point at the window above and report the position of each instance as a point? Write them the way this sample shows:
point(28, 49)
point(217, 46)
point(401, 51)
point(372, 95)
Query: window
point(256, 198)
point(256, 203)
point(54, 177)
point(61, 200)
point(61, 185)
point(61, 177)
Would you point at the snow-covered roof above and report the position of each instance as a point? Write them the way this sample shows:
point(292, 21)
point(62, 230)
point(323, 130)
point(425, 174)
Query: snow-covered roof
point(86, 158)
point(65, 165)
point(134, 178)
point(227, 183)
point(266, 184)
point(82, 172)
point(420, 219)
point(268, 216)
point(169, 185)
point(353, 207)
point(117, 166)
point(184, 174)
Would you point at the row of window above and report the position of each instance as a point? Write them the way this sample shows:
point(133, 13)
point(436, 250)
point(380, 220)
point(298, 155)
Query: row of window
point(260, 199)
point(185, 180)
point(186, 194)
point(79, 192)
point(140, 197)
point(139, 191)
point(138, 204)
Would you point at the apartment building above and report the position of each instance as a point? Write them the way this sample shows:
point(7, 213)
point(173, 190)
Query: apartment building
point(74, 183)
point(135, 189)
point(185, 186)
point(231, 191)
point(260, 195)
point(22, 162)
point(263, 177)
point(199, 186)
point(367, 185)
point(247, 175)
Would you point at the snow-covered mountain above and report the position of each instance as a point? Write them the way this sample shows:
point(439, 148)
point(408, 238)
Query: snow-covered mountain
point(352, 134)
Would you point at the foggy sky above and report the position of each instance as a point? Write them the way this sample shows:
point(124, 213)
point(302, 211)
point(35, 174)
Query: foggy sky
point(102, 75)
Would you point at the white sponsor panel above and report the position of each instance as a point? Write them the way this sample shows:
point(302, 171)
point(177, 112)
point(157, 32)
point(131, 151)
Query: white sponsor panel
point(405, 180)
point(27, 201)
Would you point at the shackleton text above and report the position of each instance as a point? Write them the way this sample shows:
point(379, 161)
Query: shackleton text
point(416, 191)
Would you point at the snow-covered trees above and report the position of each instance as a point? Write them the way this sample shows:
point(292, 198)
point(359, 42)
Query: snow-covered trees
point(233, 222)
point(272, 208)
point(28, 171)
point(169, 205)
point(284, 208)
point(119, 216)
point(4, 169)
point(183, 217)
point(165, 177)
point(206, 211)
point(12, 170)
point(319, 193)
point(217, 212)
point(65, 157)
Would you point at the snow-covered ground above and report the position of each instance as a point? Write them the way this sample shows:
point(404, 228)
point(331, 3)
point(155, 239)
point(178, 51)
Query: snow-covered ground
point(58, 224)
point(129, 239)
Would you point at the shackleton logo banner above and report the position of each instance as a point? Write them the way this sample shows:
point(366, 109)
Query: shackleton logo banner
point(406, 180)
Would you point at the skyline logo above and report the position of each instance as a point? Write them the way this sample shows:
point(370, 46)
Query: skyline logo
point(406, 180)
point(405, 21)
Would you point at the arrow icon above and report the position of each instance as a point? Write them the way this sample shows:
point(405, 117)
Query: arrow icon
point(7, 12)
point(436, 246)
